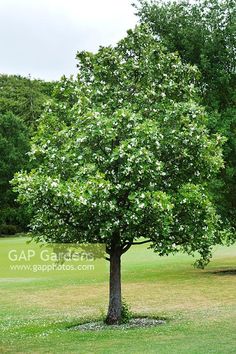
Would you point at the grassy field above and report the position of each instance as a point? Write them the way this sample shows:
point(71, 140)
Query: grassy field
point(200, 307)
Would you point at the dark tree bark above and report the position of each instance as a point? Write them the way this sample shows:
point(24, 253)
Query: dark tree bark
point(115, 303)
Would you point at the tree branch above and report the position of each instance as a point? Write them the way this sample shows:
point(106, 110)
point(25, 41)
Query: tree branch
point(125, 248)
point(127, 245)
point(138, 243)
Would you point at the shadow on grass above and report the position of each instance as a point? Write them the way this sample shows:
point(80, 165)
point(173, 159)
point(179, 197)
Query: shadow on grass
point(223, 272)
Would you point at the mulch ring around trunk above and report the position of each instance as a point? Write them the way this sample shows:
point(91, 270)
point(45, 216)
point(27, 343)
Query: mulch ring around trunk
point(133, 323)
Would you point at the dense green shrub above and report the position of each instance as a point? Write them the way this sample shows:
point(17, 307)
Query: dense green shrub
point(7, 230)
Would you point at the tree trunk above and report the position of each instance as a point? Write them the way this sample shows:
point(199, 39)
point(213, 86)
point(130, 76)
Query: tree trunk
point(114, 310)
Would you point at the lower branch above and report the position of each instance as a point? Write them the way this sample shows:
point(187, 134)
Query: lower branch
point(138, 243)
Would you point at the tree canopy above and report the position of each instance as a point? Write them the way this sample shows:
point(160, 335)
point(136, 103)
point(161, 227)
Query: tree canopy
point(203, 32)
point(21, 104)
point(123, 153)
point(25, 97)
point(14, 144)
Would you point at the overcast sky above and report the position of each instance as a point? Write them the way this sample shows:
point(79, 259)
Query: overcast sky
point(41, 37)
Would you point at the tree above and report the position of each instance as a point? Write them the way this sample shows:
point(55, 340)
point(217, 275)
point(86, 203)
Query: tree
point(21, 104)
point(123, 154)
point(14, 144)
point(24, 97)
point(203, 32)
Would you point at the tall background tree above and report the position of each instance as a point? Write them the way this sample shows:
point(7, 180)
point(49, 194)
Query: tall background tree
point(21, 104)
point(24, 97)
point(123, 153)
point(203, 32)
point(14, 144)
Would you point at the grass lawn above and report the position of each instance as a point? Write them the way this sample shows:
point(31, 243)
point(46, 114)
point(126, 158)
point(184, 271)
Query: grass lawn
point(200, 306)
